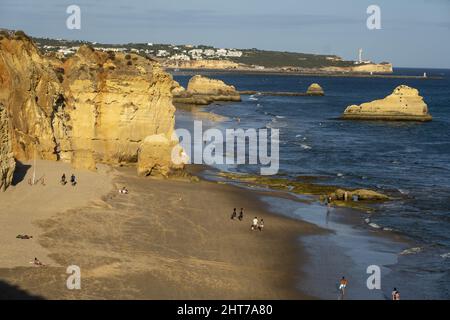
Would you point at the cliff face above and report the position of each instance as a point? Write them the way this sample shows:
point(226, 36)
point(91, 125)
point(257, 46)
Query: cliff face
point(115, 101)
point(404, 103)
point(31, 92)
point(7, 163)
point(362, 68)
point(94, 107)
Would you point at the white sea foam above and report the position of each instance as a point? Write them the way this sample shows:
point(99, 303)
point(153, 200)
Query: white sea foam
point(445, 255)
point(374, 225)
point(411, 251)
point(305, 146)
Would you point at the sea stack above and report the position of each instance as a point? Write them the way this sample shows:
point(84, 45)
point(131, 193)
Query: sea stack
point(315, 90)
point(404, 104)
point(202, 91)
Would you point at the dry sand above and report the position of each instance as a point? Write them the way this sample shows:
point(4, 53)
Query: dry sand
point(165, 240)
point(22, 205)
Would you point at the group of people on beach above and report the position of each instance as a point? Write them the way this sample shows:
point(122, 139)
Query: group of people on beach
point(73, 180)
point(234, 214)
point(124, 190)
point(256, 224)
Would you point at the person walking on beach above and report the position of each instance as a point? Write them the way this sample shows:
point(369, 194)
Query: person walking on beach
point(395, 294)
point(342, 285)
point(241, 214)
point(261, 225)
point(63, 179)
point(234, 214)
point(73, 180)
point(255, 223)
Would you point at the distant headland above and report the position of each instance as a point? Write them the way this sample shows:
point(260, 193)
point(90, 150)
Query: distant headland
point(204, 57)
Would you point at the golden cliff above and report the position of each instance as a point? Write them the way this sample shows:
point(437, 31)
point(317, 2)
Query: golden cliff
point(31, 93)
point(362, 68)
point(403, 104)
point(7, 163)
point(115, 101)
point(94, 107)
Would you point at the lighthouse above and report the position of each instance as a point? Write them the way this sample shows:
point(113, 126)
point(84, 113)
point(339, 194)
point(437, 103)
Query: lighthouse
point(360, 52)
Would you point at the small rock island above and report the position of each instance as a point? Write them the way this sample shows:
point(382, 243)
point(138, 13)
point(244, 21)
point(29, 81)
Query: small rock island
point(315, 90)
point(203, 91)
point(404, 104)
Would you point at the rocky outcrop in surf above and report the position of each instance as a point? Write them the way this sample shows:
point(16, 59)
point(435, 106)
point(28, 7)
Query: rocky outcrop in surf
point(7, 163)
point(203, 91)
point(93, 107)
point(315, 90)
point(404, 104)
point(360, 194)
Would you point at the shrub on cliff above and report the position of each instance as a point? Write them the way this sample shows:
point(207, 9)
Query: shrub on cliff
point(20, 35)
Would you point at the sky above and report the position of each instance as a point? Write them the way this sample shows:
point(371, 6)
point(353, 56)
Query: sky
point(414, 33)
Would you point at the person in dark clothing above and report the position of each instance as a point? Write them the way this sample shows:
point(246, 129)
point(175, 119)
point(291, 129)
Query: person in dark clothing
point(63, 179)
point(73, 180)
point(241, 214)
point(234, 214)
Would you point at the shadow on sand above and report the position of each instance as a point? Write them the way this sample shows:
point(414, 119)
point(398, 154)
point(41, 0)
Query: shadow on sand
point(20, 172)
point(11, 292)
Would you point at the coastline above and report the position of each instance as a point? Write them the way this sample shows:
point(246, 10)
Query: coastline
point(188, 72)
point(346, 244)
point(164, 240)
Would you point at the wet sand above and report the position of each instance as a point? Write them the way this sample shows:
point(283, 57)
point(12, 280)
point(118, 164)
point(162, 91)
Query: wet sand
point(166, 239)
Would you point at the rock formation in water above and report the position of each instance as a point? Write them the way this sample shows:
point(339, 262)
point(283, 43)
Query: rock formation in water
point(404, 104)
point(315, 90)
point(7, 162)
point(94, 107)
point(361, 194)
point(203, 91)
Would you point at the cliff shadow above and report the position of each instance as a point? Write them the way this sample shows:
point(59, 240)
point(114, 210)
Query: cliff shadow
point(11, 292)
point(20, 172)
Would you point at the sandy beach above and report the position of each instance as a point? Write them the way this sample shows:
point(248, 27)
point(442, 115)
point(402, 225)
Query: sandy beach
point(166, 239)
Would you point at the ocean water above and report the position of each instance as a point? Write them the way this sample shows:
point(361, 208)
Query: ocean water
point(408, 160)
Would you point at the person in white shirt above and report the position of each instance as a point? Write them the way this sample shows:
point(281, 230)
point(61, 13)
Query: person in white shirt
point(255, 223)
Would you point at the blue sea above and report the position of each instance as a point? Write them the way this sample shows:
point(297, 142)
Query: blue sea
point(408, 160)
